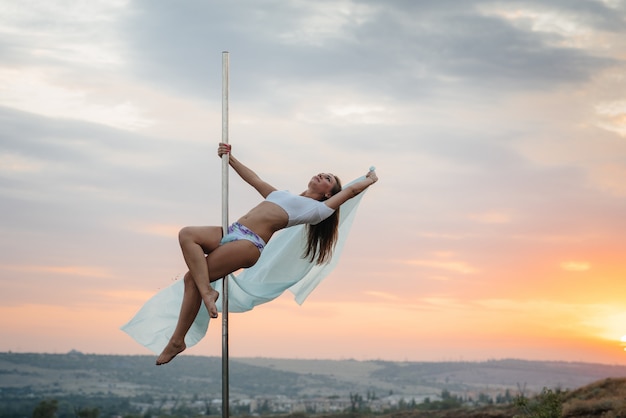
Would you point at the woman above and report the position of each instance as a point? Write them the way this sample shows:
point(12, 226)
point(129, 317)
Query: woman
point(211, 255)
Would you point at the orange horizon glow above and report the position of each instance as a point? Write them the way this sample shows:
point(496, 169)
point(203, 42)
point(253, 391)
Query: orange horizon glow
point(356, 329)
point(496, 230)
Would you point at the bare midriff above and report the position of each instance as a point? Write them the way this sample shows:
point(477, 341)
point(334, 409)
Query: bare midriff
point(265, 219)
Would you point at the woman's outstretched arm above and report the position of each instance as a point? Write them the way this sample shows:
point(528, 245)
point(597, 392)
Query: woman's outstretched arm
point(351, 190)
point(244, 172)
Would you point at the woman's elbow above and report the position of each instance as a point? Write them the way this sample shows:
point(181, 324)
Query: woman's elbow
point(354, 191)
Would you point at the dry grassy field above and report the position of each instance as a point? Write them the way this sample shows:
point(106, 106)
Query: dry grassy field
point(603, 399)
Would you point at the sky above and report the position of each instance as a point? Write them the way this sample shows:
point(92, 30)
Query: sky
point(497, 128)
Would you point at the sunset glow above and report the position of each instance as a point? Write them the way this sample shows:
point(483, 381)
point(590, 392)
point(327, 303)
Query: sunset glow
point(498, 132)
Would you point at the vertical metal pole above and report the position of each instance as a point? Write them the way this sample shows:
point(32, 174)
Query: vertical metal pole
point(225, 91)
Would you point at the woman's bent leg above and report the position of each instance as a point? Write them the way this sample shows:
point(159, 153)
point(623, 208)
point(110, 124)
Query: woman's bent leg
point(195, 242)
point(188, 312)
point(220, 262)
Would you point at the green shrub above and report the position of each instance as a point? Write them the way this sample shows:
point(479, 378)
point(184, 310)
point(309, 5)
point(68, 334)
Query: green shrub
point(548, 404)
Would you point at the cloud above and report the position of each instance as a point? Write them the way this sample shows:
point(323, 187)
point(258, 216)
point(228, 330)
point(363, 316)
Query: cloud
point(575, 265)
point(612, 116)
point(33, 91)
point(491, 217)
point(85, 271)
point(382, 295)
point(169, 231)
point(63, 32)
point(452, 266)
point(496, 129)
point(432, 48)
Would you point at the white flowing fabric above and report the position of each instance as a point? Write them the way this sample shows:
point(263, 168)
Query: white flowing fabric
point(279, 268)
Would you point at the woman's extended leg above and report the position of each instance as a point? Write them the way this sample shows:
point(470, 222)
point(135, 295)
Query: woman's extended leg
point(188, 312)
point(220, 261)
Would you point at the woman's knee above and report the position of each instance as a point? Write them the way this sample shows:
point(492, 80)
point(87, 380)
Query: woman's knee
point(186, 234)
point(207, 237)
point(188, 279)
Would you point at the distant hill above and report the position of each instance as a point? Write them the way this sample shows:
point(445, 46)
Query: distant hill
point(428, 377)
point(604, 398)
point(50, 374)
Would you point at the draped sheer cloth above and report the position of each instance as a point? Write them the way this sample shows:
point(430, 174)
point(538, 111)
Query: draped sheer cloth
point(279, 268)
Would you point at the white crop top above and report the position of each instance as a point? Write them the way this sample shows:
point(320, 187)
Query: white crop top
point(300, 209)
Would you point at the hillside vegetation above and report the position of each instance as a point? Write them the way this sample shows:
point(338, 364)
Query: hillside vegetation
point(603, 399)
point(606, 398)
point(133, 387)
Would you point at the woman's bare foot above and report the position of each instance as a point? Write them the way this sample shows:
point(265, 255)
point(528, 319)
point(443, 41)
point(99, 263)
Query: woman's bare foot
point(209, 301)
point(170, 351)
